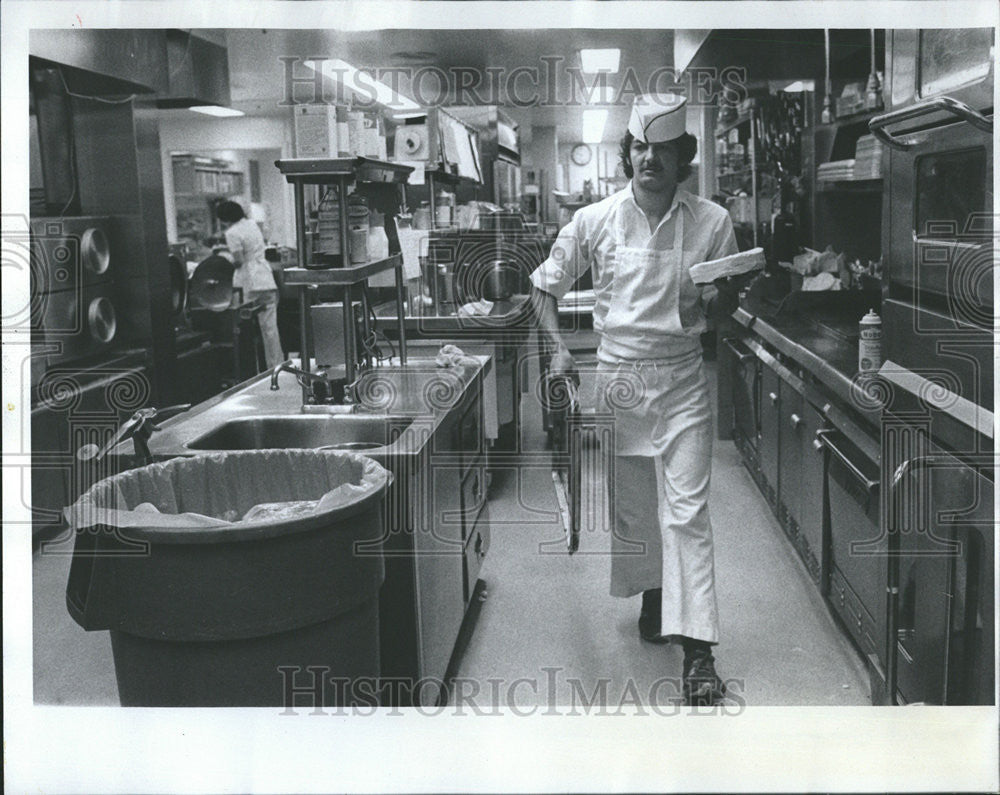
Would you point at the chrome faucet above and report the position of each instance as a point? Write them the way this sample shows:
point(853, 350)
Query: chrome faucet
point(307, 380)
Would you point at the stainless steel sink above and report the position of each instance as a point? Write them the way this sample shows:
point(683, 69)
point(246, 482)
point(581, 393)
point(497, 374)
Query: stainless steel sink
point(340, 432)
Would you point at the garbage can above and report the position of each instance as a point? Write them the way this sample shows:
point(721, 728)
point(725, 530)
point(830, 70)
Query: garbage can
point(235, 579)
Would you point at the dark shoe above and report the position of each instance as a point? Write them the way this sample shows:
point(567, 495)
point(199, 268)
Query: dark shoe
point(702, 685)
point(649, 627)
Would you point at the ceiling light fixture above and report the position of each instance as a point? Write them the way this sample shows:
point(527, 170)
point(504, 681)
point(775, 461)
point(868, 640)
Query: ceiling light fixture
point(362, 84)
point(594, 61)
point(800, 85)
point(593, 125)
point(216, 110)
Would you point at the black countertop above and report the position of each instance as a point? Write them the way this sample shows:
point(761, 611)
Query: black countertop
point(819, 333)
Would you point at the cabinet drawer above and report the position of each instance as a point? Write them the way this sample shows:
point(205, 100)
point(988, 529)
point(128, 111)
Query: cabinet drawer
point(859, 622)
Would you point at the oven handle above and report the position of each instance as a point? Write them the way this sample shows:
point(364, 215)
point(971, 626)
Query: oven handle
point(953, 106)
point(741, 355)
point(824, 436)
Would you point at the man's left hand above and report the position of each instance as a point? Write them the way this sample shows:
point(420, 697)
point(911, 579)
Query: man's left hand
point(735, 283)
point(728, 288)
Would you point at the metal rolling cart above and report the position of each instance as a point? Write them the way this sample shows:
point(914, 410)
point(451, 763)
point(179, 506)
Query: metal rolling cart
point(384, 183)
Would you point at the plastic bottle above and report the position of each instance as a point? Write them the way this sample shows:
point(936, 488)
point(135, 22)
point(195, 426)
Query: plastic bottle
point(870, 343)
point(378, 241)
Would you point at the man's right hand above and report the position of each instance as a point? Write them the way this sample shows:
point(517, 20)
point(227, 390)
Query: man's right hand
point(563, 363)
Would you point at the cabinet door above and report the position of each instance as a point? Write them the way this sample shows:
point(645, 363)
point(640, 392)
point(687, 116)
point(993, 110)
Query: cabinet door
point(49, 474)
point(475, 551)
point(811, 504)
point(857, 547)
point(944, 642)
point(790, 431)
point(745, 376)
point(438, 562)
point(769, 430)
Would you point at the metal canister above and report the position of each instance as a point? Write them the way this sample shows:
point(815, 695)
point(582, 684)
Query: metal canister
point(870, 343)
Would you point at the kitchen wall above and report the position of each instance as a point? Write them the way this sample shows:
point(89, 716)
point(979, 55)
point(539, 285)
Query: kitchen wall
point(606, 154)
point(541, 154)
point(183, 131)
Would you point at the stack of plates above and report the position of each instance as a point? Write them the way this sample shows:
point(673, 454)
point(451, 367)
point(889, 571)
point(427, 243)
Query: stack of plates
point(836, 171)
point(868, 158)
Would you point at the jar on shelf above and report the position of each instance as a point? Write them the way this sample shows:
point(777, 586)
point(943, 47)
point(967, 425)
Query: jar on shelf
point(422, 216)
point(358, 217)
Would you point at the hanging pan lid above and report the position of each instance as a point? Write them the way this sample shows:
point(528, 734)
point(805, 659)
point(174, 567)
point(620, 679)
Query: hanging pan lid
point(178, 284)
point(212, 284)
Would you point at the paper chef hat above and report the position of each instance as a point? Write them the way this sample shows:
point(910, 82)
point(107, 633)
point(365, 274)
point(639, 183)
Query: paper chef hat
point(657, 118)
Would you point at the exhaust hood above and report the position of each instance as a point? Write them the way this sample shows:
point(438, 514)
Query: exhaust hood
point(197, 72)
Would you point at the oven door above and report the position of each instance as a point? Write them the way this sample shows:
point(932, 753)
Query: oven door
point(941, 229)
point(939, 516)
point(938, 249)
point(957, 62)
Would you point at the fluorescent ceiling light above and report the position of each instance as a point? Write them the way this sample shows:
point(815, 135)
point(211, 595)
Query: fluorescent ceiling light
point(600, 60)
point(362, 83)
point(800, 85)
point(216, 110)
point(593, 125)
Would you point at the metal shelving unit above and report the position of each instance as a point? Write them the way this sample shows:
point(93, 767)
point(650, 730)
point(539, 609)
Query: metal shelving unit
point(341, 173)
point(722, 131)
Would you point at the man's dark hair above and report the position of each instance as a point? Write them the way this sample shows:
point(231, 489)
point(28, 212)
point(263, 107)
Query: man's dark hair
point(229, 212)
point(687, 148)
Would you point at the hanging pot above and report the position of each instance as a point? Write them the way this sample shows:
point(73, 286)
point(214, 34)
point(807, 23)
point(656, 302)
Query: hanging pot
point(500, 280)
point(212, 284)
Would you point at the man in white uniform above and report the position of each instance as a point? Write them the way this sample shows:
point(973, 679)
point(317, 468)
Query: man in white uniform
point(640, 244)
point(253, 274)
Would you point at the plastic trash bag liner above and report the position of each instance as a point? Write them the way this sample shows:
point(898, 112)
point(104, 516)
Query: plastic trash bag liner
point(265, 488)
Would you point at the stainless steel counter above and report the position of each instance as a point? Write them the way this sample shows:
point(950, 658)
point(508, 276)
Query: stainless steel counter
point(419, 389)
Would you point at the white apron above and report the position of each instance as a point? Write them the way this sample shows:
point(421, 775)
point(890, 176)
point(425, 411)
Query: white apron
point(662, 535)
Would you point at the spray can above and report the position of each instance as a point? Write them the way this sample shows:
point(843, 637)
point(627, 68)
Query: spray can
point(870, 343)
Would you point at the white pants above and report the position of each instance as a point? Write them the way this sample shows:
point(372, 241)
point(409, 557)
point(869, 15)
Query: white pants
point(267, 319)
point(662, 534)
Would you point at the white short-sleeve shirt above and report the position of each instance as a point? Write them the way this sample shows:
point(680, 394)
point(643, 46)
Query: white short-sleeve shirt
point(246, 243)
point(589, 241)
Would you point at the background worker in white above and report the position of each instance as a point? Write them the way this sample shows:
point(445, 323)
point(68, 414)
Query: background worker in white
point(640, 243)
point(253, 274)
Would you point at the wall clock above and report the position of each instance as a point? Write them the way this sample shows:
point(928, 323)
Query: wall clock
point(581, 154)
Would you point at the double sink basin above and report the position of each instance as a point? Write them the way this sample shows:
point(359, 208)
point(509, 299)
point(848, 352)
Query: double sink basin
point(395, 415)
point(332, 432)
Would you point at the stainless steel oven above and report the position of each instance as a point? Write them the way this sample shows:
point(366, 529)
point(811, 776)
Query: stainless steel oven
point(934, 62)
point(938, 241)
point(941, 540)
